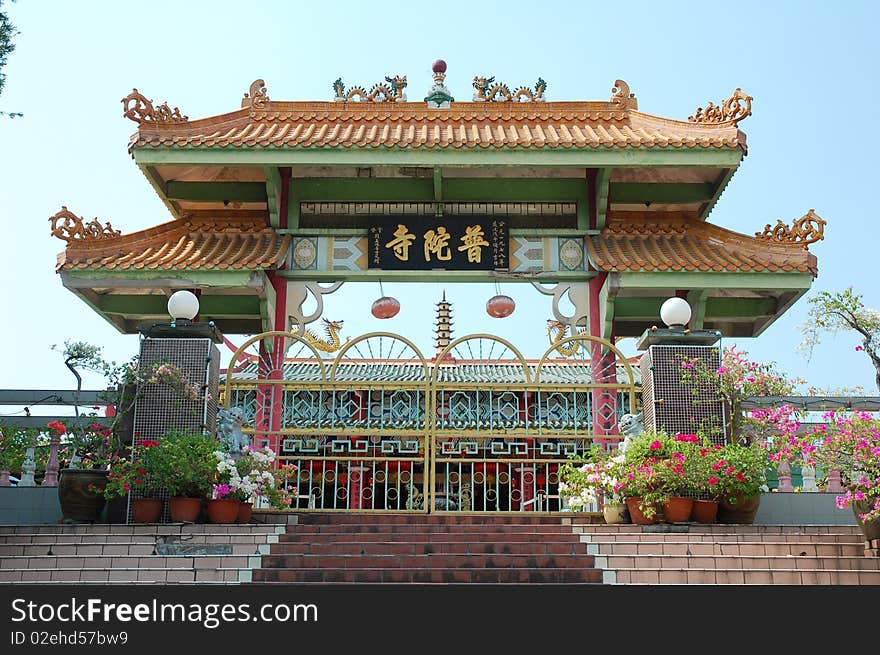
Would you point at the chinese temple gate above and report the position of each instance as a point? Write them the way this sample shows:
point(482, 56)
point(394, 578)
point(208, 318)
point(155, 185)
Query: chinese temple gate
point(278, 201)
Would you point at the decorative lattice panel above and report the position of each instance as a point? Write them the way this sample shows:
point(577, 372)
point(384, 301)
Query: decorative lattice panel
point(674, 406)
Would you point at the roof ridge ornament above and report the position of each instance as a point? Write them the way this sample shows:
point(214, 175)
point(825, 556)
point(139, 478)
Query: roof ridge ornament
point(139, 109)
point(737, 107)
point(72, 228)
point(257, 96)
point(621, 96)
point(439, 97)
point(808, 229)
point(487, 90)
point(390, 92)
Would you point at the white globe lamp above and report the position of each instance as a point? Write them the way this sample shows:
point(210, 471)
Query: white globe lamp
point(675, 312)
point(183, 305)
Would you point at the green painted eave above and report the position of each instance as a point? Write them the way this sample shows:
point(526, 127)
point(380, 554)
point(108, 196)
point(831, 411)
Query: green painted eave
point(157, 305)
point(178, 279)
point(217, 191)
point(689, 280)
point(624, 192)
point(580, 157)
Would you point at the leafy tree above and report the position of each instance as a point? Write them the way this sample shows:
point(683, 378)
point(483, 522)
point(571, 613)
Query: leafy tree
point(7, 31)
point(843, 312)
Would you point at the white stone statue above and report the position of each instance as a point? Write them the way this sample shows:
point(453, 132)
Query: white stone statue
point(809, 479)
point(27, 470)
point(630, 425)
point(229, 424)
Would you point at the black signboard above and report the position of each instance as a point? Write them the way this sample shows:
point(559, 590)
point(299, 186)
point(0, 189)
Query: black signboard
point(459, 243)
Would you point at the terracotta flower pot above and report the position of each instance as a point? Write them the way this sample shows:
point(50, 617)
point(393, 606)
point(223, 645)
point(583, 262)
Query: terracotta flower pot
point(146, 510)
point(678, 509)
point(244, 513)
point(704, 511)
point(223, 510)
point(184, 510)
point(742, 512)
point(637, 516)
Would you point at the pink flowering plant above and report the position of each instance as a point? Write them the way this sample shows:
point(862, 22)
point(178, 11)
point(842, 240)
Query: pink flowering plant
point(849, 442)
point(587, 479)
point(737, 378)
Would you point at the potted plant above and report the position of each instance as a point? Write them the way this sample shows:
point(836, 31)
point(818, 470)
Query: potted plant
point(185, 465)
point(133, 473)
point(587, 480)
point(741, 472)
point(87, 453)
point(849, 442)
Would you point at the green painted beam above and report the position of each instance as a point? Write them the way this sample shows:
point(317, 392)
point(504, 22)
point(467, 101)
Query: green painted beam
point(374, 275)
point(334, 189)
point(719, 189)
point(172, 279)
point(159, 187)
point(697, 300)
point(273, 194)
point(361, 189)
point(727, 308)
point(628, 192)
point(647, 308)
point(151, 305)
point(686, 280)
point(514, 232)
point(577, 157)
point(217, 191)
point(600, 196)
point(292, 203)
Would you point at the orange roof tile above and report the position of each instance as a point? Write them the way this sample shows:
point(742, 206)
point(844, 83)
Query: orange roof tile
point(464, 125)
point(683, 244)
point(195, 243)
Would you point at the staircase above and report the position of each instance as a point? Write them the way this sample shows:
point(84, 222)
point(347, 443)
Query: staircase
point(434, 549)
point(133, 554)
point(730, 554)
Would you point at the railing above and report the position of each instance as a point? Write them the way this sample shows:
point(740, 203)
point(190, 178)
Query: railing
point(792, 478)
point(477, 429)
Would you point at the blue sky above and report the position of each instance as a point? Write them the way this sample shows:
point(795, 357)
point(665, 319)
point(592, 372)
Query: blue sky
point(810, 67)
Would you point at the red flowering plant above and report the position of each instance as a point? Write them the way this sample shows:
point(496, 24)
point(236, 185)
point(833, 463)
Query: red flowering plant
point(89, 447)
point(740, 470)
point(131, 471)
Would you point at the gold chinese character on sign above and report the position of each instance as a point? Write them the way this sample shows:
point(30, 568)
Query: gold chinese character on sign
point(473, 242)
point(401, 242)
point(438, 244)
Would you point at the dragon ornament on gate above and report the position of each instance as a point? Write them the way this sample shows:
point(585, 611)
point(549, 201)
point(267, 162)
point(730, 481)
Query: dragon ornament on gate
point(329, 345)
point(561, 330)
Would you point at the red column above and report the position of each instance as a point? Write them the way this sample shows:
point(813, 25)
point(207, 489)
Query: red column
point(357, 479)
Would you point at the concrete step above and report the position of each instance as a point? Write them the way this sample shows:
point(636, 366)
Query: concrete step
point(562, 547)
point(684, 537)
point(120, 562)
point(125, 575)
point(432, 575)
point(101, 538)
point(742, 548)
point(745, 577)
point(432, 561)
point(144, 528)
point(463, 537)
point(426, 519)
point(743, 562)
point(430, 528)
point(715, 528)
point(136, 549)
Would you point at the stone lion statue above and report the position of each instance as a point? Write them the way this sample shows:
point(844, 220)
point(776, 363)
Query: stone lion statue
point(229, 424)
point(630, 425)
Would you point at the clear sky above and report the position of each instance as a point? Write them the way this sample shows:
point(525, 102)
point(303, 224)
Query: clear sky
point(810, 66)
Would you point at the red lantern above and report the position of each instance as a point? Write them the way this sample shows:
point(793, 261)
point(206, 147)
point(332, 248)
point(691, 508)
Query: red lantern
point(500, 306)
point(385, 307)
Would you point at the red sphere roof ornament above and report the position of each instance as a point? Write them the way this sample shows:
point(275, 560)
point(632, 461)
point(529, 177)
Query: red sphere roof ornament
point(439, 66)
point(500, 306)
point(385, 307)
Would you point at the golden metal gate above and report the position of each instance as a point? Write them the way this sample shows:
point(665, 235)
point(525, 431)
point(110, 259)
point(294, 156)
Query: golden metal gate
point(380, 428)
